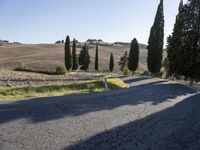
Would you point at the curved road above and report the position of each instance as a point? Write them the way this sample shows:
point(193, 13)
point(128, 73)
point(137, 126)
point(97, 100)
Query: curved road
point(152, 114)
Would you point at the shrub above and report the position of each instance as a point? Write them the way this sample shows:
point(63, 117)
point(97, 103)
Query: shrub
point(146, 73)
point(61, 70)
point(22, 67)
point(126, 71)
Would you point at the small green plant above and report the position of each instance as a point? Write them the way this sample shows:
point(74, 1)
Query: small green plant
point(61, 70)
point(22, 67)
point(126, 71)
point(146, 73)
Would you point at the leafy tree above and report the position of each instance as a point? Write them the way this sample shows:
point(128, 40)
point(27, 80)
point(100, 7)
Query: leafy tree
point(111, 64)
point(133, 59)
point(155, 43)
point(84, 58)
point(61, 70)
point(74, 56)
point(123, 61)
point(96, 65)
point(68, 55)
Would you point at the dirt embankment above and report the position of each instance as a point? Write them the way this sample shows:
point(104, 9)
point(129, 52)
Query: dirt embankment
point(15, 78)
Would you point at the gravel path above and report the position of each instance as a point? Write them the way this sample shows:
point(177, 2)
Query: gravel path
point(152, 114)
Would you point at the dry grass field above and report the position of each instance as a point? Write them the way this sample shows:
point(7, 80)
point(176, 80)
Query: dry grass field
point(49, 56)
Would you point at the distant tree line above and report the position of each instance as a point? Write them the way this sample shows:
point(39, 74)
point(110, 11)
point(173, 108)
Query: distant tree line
point(94, 41)
point(59, 42)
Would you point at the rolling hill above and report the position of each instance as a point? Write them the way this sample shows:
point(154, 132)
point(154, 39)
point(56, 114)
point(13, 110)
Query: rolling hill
point(49, 56)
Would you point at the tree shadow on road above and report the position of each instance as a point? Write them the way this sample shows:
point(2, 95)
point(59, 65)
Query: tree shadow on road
point(51, 108)
point(177, 128)
point(133, 79)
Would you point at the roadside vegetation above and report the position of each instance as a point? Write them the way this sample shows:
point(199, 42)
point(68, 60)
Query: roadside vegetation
point(60, 70)
point(61, 89)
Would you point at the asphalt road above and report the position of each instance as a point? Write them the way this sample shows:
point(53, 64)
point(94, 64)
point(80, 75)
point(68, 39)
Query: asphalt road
point(152, 114)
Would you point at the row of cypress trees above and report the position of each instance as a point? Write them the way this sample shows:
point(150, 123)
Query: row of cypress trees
point(155, 47)
point(72, 61)
point(155, 50)
point(184, 44)
point(183, 48)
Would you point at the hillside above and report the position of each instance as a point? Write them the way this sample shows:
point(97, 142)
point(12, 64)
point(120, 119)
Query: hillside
point(49, 56)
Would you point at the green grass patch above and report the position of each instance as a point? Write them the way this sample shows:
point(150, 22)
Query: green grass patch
point(60, 89)
point(60, 70)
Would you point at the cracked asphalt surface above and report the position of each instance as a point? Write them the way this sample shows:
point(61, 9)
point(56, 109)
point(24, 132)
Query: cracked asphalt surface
point(151, 114)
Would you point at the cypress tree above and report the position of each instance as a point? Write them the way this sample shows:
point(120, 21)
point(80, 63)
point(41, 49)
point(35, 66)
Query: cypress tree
point(155, 43)
point(184, 45)
point(191, 41)
point(74, 56)
point(96, 65)
point(84, 58)
point(68, 56)
point(111, 64)
point(133, 59)
point(174, 47)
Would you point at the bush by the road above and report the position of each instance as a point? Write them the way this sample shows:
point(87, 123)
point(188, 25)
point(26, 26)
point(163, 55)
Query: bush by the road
point(22, 67)
point(61, 70)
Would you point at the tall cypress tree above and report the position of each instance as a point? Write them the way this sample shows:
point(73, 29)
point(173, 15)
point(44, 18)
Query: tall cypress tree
point(155, 43)
point(111, 64)
point(184, 45)
point(174, 47)
point(74, 56)
point(133, 59)
point(84, 58)
point(191, 41)
point(68, 56)
point(96, 65)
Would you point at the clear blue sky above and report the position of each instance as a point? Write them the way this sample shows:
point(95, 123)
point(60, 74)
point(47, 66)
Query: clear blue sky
point(45, 21)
